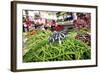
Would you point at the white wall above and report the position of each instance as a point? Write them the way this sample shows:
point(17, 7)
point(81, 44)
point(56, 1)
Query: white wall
point(5, 37)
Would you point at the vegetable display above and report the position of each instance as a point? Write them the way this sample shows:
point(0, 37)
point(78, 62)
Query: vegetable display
point(40, 49)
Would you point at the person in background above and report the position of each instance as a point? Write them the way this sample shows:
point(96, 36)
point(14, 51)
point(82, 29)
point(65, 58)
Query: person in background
point(80, 22)
point(53, 25)
point(25, 27)
point(28, 22)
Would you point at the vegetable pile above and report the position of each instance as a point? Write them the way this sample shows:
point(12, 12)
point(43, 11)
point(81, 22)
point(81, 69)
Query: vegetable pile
point(41, 50)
